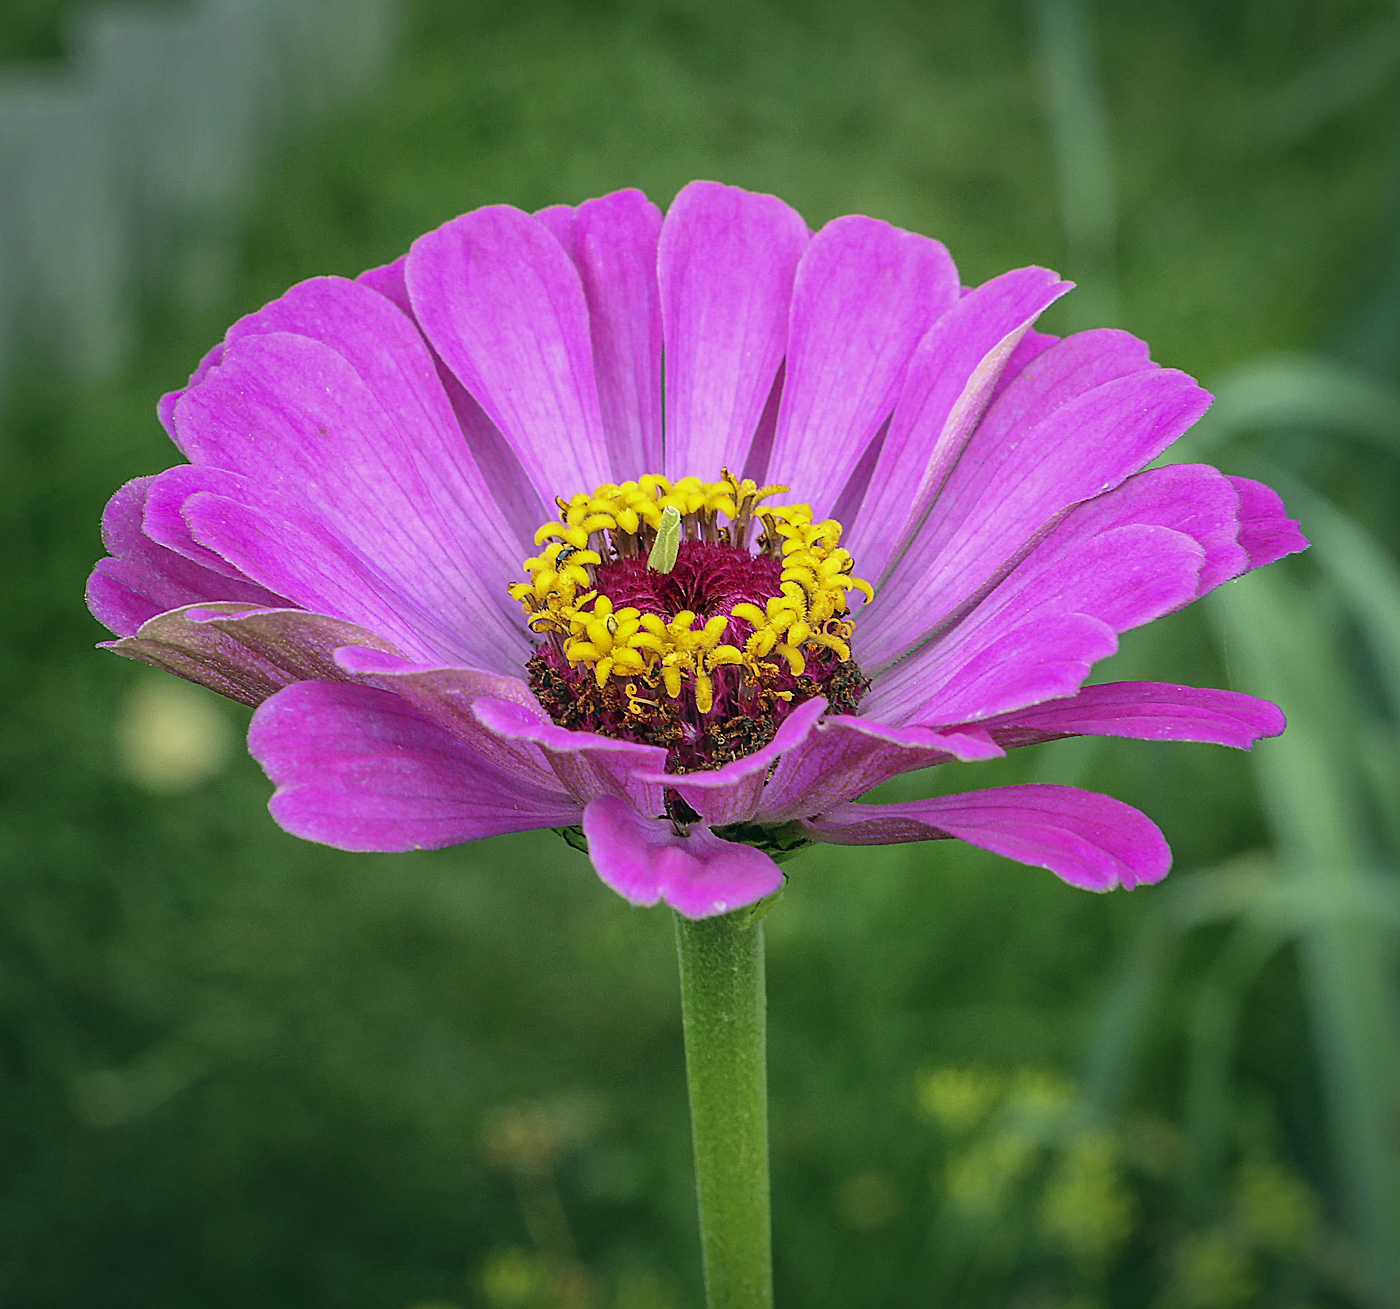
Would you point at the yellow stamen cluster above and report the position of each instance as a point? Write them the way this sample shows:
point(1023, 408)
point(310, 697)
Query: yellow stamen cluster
point(562, 600)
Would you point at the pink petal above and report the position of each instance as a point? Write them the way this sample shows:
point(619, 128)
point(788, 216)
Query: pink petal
point(1192, 500)
point(359, 769)
point(1004, 494)
point(726, 262)
point(292, 553)
point(699, 875)
point(865, 293)
point(144, 578)
point(1089, 840)
point(949, 383)
point(612, 241)
point(1145, 711)
point(517, 501)
point(502, 304)
point(1121, 578)
point(1031, 346)
point(385, 348)
point(845, 757)
point(587, 764)
point(290, 415)
point(1266, 531)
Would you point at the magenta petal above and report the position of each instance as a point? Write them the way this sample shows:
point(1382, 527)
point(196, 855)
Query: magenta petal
point(290, 414)
point(1087, 564)
point(950, 380)
point(1122, 578)
point(1266, 531)
point(166, 406)
point(562, 221)
point(519, 504)
point(1030, 347)
point(1146, 711)
point(144, 578)
point(1003, 495)
point(503, 306)
point(731, 793)
point(699, 875)
point(613, 244)
point(865, 293)
point(360, 769)
point(589, 765)
point(1043, 659)
point(1089, 840)
point(448, 697)
point(844, 757)
point(726, 263)
point(389, 355)
point(293, 554)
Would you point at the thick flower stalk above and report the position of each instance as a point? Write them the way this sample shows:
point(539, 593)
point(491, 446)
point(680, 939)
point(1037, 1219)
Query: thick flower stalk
point(678, 535)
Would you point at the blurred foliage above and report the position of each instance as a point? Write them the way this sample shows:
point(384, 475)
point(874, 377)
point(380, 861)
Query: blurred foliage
point(240, 1068)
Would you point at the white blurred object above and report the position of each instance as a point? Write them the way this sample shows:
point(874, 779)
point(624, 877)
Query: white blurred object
point(129, 166)
point(171, 735)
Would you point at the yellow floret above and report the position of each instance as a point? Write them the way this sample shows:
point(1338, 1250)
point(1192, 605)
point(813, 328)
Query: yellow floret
point(811, 611)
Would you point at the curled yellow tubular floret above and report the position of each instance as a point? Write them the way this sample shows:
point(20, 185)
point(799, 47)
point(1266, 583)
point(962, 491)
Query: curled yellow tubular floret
point(561, 599)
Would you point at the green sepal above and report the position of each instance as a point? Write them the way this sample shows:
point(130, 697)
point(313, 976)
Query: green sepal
point(573, 836)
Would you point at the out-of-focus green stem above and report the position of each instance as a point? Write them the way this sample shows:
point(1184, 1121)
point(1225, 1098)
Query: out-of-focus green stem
point(723, 1010)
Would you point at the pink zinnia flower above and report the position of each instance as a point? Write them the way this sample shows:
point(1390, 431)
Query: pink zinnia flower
point(419, 526)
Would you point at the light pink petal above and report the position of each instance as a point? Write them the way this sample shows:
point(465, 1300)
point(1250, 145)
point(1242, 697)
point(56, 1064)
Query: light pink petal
point(1266, 531)
point(1089, 840)
point(1145, 711)
point(502, 304)
point(144, 578)
point(1121, 578)
point(845, 757)
point(865, 294)
point(1004, 495)
point(243, 652)
point(645, 860)
point(588, 765)
point(726, 261)
point(731, 793)
point(291, 415)
point(949, 382)
point(360, 769)
point(612, 241)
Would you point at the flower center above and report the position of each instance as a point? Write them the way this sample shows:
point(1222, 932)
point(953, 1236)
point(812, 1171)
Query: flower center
point(660, 623)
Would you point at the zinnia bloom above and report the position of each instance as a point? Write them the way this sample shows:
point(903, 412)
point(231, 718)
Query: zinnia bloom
point(680, 534)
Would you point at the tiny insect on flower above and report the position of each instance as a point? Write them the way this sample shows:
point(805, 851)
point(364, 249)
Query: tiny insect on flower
point(666, 548)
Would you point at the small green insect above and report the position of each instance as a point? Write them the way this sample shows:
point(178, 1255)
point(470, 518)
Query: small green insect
point(668, 541)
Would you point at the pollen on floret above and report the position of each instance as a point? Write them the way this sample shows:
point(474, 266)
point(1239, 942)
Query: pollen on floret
point(691, 615)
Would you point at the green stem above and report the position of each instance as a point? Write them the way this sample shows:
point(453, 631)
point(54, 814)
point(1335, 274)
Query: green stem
point(723, 1012)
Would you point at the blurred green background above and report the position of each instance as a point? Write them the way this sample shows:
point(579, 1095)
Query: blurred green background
point(235, 1068)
